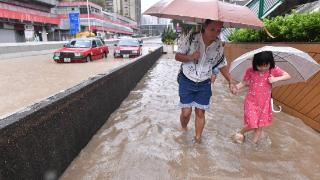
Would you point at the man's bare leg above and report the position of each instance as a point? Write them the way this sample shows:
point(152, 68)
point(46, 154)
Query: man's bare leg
point(200, 122)
point(185, 118)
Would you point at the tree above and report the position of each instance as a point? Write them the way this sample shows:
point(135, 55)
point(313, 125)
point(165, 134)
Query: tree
point(168, 36)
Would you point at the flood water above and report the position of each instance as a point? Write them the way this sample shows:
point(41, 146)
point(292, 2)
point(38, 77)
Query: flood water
point(26, 80)
point(142, 139)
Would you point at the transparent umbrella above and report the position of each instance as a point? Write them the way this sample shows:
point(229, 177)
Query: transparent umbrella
point(297, 63)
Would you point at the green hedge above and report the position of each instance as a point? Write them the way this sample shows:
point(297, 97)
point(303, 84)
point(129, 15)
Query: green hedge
point(291, 28)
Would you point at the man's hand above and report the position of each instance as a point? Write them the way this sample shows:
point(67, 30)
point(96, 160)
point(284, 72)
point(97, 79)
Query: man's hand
point(195, 56)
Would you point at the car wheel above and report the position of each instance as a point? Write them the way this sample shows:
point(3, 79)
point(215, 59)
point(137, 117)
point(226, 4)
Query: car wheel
point(88, 58)
point(105, 54)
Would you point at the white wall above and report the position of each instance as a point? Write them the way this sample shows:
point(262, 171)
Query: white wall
point(7, 35)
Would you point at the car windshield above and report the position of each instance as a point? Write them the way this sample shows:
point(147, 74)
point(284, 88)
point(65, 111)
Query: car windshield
point(128, 42)
point(83, 43)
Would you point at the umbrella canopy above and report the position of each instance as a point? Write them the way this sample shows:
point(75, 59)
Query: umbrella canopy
point(297, 63)
point(199, 10)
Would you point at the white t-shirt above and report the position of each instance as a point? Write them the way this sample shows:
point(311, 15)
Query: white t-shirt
point(208, 57)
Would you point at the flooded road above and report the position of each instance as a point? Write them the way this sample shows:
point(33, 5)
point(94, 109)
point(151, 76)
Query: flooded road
point(26, 80)
point(142, 139)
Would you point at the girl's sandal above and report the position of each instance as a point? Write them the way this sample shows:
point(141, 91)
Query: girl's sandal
point(238, 138)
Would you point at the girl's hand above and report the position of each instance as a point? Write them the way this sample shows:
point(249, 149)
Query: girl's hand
point(284, 77)
point(272, 79)
point(233, 88)
point(238, 86)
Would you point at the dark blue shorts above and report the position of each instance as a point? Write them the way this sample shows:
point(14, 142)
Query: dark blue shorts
point(194, 94)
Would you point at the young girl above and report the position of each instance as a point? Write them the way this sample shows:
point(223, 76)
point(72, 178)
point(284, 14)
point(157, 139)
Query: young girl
point(257, 105)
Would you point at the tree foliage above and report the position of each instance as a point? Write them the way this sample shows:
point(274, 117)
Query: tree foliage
point(291, 28)
point(168, 36)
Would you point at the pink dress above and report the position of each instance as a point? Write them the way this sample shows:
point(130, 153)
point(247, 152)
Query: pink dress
point(257, 107)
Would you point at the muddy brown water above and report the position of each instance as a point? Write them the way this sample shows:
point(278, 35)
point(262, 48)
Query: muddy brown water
point(26, 80)
point(142, 139)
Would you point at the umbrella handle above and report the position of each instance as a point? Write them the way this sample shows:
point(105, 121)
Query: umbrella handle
point(273, 110)
point(268, 33)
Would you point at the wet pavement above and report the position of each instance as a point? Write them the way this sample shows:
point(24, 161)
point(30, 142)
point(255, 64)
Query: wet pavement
point(29, 77)
point(142, 139)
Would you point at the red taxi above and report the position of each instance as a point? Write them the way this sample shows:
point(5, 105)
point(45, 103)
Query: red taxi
point(81, 50)
point(128, 48)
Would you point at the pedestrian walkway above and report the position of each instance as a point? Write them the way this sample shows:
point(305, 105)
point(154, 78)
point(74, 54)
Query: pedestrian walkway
point(142, 139)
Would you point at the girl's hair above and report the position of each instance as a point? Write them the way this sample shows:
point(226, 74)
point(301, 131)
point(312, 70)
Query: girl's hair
point(205, 24)
point(263, 58)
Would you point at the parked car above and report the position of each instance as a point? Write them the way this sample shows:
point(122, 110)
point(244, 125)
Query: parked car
point(81, 50)
point(127, 48)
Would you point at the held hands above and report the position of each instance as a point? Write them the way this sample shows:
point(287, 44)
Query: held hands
point(233, 88)
point(239, 86)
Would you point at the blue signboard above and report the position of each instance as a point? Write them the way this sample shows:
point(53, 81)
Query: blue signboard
point(74, 23)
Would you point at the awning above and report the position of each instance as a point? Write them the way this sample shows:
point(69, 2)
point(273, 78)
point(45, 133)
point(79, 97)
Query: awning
point(24, 14)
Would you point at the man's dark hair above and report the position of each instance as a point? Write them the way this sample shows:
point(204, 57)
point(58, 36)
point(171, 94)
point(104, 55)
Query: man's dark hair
point(263, 58)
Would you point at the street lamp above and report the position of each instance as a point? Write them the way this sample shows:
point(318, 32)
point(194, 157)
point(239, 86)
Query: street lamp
point(88, 15)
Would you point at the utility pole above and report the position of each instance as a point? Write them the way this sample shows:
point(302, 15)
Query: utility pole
point(88, 16)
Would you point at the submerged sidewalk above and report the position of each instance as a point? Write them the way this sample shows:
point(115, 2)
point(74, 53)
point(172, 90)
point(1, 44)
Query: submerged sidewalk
point(142, 139)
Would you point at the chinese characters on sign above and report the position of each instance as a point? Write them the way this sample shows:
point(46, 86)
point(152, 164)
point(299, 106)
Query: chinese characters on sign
point(74, 23)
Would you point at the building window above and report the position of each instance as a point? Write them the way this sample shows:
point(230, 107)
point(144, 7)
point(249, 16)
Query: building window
point(83, 10)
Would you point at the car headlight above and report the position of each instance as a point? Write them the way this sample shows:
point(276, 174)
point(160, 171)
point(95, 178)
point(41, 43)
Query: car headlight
point(135, 52)
point(77, 54)
point(57, 54)
point(117, 51)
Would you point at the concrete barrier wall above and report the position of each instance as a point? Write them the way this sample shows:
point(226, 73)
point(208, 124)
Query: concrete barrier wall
point(32, 46)
point(44, 139)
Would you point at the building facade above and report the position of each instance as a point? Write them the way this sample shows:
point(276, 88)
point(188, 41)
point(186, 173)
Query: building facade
point(153, 26)
point(99, 21)
point(109, 6)
point(22, 20)
point(48, 20)
point(128, 8)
